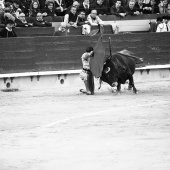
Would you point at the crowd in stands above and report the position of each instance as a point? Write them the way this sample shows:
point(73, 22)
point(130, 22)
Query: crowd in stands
point(76, 13)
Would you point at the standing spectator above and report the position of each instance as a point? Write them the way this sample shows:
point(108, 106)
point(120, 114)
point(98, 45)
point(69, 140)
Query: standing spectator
point(34, 8)
point(100, 7)
point(71, 18)
point(39, 22)
point(117, 9)
point(60, 6)
point(86, 6)
point(161, 27)
point(82, 21)
point(50, 9)
point(130, 8)
point(8, 30)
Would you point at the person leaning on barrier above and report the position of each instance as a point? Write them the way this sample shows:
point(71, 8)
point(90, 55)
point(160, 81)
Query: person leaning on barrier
point(117, 9)
point(8, 31)
point(86, 75)
point(82, 21)
point(62, 30)
point(94, 19)
point(71, 18)
point(39, 22)
point(21, 21)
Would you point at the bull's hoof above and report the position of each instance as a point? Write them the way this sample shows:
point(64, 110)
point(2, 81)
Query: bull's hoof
point(88, 93)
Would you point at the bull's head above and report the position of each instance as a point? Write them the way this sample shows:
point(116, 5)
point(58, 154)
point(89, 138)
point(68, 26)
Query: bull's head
point(109, 74)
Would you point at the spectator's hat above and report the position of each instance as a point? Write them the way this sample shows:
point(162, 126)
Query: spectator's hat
point(9, 22)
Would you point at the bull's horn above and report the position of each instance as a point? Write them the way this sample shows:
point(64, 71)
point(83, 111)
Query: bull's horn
point(108, 69)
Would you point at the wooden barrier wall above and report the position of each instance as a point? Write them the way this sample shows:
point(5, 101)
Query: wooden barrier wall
point(64, 53)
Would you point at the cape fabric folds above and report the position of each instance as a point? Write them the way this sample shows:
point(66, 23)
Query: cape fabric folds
point(98, 60)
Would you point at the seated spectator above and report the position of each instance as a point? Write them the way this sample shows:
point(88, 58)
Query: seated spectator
point(117, 9)
point(154, 6)
point(39, 22)
point(161, 27)
point(8, 12)
point(86, 6)
point(75, 4)
point(163, 7)
point(50, 9)
point(8, 30)
point(82, 21)
point(71, 18)
point(168, 7)
point(130, 8)
point(34, 8)
point(147, 9)
point(60, 6)
point(100, 7)
point(16, 10)
point(139, 6)
point(21, 21)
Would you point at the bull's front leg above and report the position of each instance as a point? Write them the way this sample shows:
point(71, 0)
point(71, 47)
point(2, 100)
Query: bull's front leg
point(119, 88)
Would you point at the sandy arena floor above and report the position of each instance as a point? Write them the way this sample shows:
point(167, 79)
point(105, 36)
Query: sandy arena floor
point(63, 129)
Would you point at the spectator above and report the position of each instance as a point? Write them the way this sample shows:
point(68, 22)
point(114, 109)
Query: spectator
point(39, 22)
point(94, 19)
point(16, 10)
point(21, 21)
point(8, 12)
point(50, 9)
point(130, 8)
point(8, 30)
point(117, 9)
point(100, 7)
point(34, 8)
point(75, 4)
point(147, 9)
point(62, 30)
point(82, 21)
point(60, 7)
point(154, 6)
point(161, 26)
point(168, 7)
point(163, 6)
point(71, 18)
point(86, 6)
point(139, 6)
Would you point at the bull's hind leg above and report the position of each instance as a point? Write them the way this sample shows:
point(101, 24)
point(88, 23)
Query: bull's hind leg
point(131, 84)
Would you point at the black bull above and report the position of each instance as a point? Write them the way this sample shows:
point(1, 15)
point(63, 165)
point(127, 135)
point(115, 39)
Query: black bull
point(118, 69)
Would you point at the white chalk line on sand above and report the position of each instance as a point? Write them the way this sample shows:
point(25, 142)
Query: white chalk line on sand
point(101, 112)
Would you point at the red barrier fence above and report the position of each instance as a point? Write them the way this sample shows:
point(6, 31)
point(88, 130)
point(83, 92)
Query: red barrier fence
point(63, 53)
